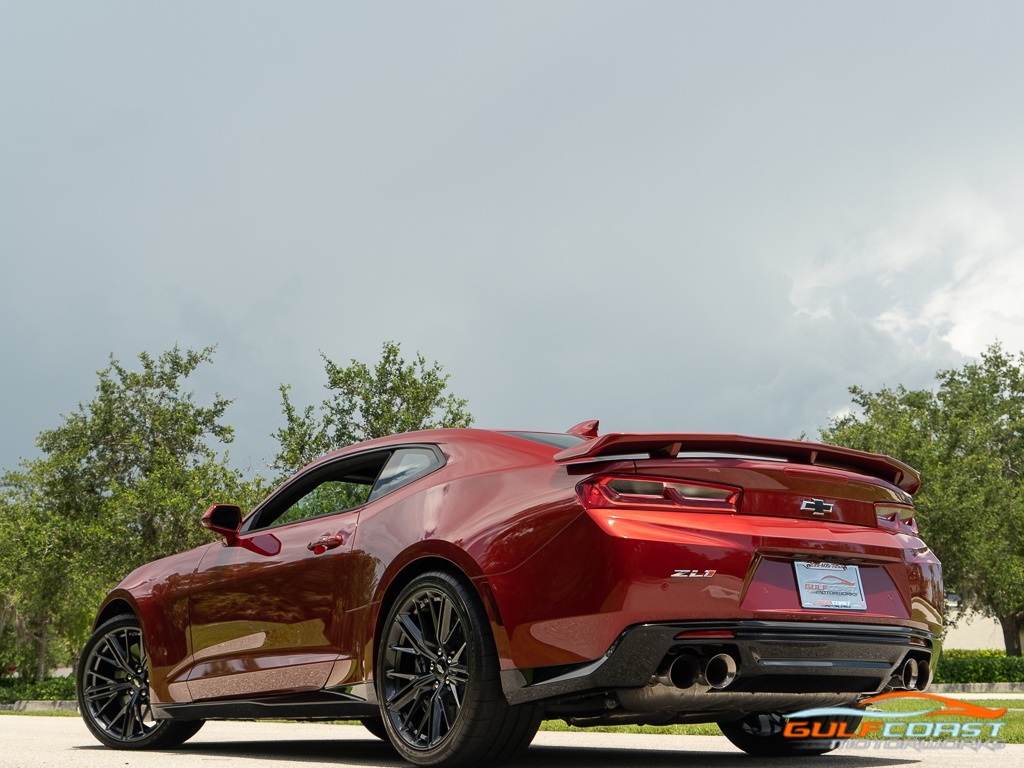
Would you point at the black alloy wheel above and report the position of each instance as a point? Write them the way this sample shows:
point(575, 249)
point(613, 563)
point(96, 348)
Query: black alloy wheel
point(113, 691)
point(761, 734)
point(426, 672)
point(437, 679)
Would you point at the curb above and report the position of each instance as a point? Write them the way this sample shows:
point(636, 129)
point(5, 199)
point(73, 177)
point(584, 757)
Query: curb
point(40, 706)
point(977, 688)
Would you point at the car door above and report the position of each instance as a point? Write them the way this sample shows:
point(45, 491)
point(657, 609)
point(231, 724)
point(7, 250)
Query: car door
point(265, 613)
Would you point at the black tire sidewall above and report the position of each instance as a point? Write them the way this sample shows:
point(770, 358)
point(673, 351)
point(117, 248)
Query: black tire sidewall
point(453, 747)
point(165, 733)
point(777, 745)
point(375, 725)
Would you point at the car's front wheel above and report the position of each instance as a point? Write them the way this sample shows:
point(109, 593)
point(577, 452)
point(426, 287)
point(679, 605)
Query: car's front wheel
point(437, 679)
point(763, 734)
point(113, 691)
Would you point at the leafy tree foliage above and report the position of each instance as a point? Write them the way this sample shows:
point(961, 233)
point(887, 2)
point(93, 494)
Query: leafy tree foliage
point(141, 457)
point(392, 397)
point(967, 438)
point(42, 603)
point(122, 481)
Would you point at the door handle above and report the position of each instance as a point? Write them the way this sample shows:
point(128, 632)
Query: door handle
point(325, 542)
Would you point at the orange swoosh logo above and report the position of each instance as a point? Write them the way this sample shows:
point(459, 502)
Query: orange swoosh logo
point(949, 706)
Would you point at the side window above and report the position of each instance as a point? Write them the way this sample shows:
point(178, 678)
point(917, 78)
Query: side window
point(404, 466)
point(335, 488)
point(330, 496)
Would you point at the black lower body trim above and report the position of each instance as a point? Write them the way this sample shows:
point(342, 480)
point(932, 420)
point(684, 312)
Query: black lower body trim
point(772, 656)
point(319, 705)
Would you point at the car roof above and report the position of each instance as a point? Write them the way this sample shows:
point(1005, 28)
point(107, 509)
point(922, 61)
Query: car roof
point(444, 436)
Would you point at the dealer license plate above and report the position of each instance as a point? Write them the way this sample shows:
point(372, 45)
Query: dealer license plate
point(830, 586)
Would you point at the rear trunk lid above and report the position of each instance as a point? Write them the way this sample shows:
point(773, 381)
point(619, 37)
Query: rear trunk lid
point(778, 478)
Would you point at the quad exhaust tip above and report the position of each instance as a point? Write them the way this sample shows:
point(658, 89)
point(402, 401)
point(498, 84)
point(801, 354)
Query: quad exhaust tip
point(912, 675)
point(683, 672)
point(909, 674)
point(718, 671)
point(924, 675)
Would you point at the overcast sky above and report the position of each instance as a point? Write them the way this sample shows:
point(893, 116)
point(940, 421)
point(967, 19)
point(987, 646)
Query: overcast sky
point(669, 216)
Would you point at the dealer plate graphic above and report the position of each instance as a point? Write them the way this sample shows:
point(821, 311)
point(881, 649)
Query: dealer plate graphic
point(830, 586)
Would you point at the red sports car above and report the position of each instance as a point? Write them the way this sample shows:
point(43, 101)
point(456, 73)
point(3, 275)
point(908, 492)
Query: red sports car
point(452, 588)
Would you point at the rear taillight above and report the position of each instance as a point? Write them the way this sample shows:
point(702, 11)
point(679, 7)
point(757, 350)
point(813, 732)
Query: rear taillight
point(651, 493)
point(896, 517)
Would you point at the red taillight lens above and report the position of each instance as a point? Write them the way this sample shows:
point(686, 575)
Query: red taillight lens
point(706, 634)
point(651, 493)
point(896, 517)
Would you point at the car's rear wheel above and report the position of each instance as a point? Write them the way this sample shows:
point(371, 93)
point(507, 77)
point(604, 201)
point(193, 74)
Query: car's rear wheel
point(762, 734)
point(437, 679)
point(113, 691)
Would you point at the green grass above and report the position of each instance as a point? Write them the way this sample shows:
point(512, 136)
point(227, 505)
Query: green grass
point(1012, 732)
point(696, 729)
point(911, 705)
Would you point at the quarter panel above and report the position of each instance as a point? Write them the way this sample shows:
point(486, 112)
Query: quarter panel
point(484, 522)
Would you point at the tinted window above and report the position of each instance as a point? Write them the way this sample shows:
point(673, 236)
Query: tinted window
point(338, 487)
point(549, 438)
point(405, 465)
point(328, 497)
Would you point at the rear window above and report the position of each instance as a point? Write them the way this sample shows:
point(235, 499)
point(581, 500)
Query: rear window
point(404, 466)
point(549, 438)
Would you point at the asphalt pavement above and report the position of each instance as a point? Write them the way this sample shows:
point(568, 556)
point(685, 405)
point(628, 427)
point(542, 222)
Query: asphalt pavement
point(64, 742)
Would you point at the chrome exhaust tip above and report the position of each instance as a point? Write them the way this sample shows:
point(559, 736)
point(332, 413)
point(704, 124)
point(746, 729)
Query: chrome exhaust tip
point(909, 675)
point(719, 671)
point(924, 676)
point(683, 672)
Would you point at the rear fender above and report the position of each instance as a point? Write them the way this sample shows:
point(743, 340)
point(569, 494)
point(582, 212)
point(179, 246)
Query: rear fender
point(420, 558)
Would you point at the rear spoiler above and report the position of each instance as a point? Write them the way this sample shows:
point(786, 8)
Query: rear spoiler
point(669, 445)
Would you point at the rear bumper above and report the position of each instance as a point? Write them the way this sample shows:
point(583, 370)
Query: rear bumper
point(776, 657)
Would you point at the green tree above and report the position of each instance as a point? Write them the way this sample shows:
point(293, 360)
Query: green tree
point(967, 438)
point(45, 583)
point(142, 457)
point(392, 397)
point(122, 481)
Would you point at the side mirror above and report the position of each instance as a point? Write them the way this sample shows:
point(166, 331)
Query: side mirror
point(224, 519)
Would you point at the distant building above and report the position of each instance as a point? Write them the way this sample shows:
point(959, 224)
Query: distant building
point(973, 632)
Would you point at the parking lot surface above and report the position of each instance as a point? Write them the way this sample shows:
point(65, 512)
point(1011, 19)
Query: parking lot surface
point(64, 742)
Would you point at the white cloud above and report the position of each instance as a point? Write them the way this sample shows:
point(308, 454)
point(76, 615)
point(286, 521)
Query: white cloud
point(984, 304)
point(949, 274)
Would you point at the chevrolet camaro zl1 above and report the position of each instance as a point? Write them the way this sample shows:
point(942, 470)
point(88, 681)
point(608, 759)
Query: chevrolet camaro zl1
point(452, 588)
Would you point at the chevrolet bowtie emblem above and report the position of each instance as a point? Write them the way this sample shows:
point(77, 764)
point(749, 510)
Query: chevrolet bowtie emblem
point(817, 506)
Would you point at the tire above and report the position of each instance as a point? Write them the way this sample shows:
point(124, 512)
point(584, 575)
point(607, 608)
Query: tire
point(762, 735)
point(438, 683)
point(112, 681)
point(375, 726)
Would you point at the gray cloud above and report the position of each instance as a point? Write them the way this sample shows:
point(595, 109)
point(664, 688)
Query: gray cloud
point(581, 209)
